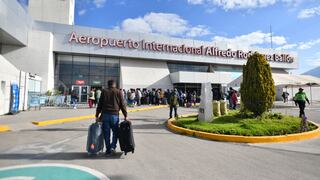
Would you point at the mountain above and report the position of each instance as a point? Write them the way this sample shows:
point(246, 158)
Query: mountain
point(313, 72)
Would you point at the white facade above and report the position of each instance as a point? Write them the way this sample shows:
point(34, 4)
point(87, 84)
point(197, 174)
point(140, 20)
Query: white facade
point(144, 74)
point(36, 57)
point(10, 74)
point(57, 11)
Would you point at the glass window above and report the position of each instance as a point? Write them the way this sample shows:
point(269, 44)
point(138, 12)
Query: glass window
point(94, 71)
point(174, 67)
point(81, 65)
point(64, 64)
point(97, 80)
point(112, 71)
point(66, 79)
point(97, 66)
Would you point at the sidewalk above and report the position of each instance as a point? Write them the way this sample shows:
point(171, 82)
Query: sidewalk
point(291, 104)
point(23, 119)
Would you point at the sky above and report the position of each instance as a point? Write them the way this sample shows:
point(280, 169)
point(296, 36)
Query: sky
point(295, 24)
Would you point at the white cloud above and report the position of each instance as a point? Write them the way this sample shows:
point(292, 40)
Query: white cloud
point(307, 13)
point(287, 46)
point(242, 4)
point(163, 23)
point(195, 1)
point(166, 23)
point(300, 45)
point(82, 12)
point(99, 3)
point(251, 39)
point(84, 6)
point(136, 25)
point(198, 31)
point(309, 44)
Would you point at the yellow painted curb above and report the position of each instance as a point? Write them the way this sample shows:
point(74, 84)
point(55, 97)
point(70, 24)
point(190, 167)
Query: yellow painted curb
point(79, 118)
point(244, 139)
point(4, 128)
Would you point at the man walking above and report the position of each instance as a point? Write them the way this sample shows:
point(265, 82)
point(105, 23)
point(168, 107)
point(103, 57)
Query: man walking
point(74, 98)
point(300, 98)
point(173, 102)
point(229, 97)
point(111, 101)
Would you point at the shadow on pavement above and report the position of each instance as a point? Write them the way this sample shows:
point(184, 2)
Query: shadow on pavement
point(58, 129)
point(147, 119)
point(147, 126)
point(167, 133)
point(59, 156)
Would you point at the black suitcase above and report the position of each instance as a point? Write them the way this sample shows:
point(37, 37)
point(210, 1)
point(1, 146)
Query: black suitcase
point(95, 139)
point(126, 137)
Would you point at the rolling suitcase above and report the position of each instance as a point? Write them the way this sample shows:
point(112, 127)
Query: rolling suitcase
point(95, 139)
point(126, 137)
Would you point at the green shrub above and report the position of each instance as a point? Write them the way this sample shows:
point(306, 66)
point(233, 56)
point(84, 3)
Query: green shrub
point(257, 88)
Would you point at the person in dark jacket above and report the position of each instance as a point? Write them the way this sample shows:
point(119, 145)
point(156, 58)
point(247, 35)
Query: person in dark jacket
point(74, 98)
point(110, 103)
point(173, 102)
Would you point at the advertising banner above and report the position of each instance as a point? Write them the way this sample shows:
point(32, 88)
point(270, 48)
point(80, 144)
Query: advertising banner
point(14, 98)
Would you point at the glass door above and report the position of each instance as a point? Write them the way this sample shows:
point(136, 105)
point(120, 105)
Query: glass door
point(82, 92)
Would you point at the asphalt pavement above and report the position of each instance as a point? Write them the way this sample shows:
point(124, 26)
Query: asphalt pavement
point(159, 154)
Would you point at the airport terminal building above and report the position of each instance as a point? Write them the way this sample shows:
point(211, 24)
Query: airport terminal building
point(44, 41)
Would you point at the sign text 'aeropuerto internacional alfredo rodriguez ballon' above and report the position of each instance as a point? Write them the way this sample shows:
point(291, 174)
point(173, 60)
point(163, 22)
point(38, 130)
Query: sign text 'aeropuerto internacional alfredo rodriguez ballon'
point(103, 42)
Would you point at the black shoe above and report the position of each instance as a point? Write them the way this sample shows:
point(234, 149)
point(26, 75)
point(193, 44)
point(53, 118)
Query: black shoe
point(108, 153)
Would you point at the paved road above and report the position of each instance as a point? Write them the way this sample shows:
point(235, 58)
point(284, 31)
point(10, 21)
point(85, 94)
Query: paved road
point(160, 154)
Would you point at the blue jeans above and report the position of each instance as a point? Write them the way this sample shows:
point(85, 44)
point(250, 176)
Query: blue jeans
point(74, 101)
point(110, 122)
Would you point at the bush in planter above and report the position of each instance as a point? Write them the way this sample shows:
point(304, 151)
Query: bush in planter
point(257, 88)
point(223, 107)
point(216, 108)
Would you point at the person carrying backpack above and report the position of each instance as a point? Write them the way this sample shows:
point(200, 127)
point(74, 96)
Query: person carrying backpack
point(173, 102)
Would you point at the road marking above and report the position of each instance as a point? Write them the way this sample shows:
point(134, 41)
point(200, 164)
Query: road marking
point(4, 128)
point(80, 118)
point(50, 171)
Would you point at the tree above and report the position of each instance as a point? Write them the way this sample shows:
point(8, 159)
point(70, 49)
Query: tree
point(257, 88)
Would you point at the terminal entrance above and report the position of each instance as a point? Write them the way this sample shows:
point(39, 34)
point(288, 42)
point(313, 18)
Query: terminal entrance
point(196, 87)
point(82, 91)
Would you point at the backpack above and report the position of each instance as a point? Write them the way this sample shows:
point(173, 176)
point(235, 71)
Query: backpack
point(173, 99)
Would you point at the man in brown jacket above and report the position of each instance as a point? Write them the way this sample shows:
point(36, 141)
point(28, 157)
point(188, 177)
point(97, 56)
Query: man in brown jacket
point(110, 103)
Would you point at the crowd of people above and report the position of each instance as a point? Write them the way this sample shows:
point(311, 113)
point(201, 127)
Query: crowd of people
point(137, 97)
